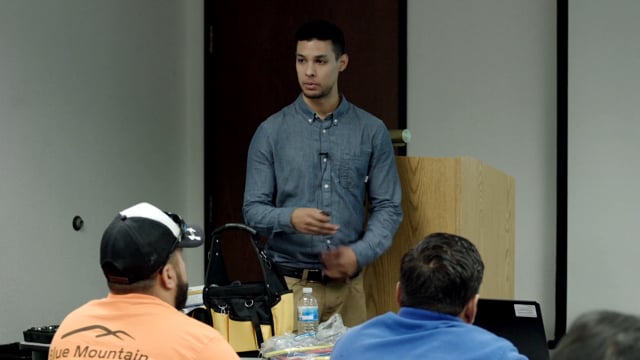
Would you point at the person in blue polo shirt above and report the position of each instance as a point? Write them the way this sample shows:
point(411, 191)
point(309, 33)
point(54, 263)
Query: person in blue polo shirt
point(438, 298)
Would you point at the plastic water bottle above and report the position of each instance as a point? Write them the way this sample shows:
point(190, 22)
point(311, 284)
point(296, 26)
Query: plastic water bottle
point(307, 312)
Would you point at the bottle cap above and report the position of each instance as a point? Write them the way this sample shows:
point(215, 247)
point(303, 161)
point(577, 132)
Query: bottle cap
point(307, 290)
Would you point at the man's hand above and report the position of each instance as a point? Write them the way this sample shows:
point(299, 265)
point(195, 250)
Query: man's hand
point(312, 221)
point(340, 263)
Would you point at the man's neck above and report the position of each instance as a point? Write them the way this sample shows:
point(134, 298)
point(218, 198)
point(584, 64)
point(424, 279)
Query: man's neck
point(323, 106)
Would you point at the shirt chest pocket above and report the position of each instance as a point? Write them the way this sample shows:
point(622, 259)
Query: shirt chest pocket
point(353, 170)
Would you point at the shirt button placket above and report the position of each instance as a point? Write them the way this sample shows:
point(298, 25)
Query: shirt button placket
point(327, 162)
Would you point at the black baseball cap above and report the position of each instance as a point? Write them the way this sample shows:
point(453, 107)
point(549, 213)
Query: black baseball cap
point(139, 241)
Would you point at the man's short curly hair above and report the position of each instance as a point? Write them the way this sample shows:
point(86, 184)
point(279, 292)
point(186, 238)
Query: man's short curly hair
point(442, 273)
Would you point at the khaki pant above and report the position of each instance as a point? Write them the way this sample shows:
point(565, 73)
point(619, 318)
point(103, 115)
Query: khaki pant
point(345, 297)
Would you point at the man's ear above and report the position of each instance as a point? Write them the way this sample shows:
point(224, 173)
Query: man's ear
point(168, 276)
point(343, 61)
point(398, 293)
point(470, 310)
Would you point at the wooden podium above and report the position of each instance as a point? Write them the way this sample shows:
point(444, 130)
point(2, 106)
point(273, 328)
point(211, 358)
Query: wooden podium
point(463, 196)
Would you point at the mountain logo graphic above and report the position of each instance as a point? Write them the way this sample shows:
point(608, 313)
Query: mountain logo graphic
point(104, 331)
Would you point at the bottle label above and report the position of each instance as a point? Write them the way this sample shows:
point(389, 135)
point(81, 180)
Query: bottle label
point(307, 313)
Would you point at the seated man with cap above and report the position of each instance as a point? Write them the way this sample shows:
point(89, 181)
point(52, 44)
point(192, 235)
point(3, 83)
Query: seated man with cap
point(141, 257)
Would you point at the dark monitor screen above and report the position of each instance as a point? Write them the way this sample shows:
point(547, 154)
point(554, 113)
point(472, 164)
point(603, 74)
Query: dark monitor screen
point(517, 321)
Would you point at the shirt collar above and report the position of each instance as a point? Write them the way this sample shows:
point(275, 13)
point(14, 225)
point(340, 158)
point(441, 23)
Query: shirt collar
point(423, 314)
point(310, 116)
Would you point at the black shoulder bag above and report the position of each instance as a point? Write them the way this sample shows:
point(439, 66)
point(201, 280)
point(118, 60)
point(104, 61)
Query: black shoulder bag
point(247, 313)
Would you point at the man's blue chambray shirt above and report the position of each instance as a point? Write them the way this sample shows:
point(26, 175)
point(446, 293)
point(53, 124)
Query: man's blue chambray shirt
point(297, 160)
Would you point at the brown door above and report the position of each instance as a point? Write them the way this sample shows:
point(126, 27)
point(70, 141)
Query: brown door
point(250, 74)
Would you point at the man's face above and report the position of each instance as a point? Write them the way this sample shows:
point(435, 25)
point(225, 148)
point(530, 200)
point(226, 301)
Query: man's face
point(318, 68)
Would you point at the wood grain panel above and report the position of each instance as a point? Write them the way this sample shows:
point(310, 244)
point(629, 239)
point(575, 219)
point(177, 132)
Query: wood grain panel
point(488, 199)
point(463, 196)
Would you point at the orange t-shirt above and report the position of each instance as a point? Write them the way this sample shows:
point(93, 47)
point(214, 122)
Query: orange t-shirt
point(135, 327)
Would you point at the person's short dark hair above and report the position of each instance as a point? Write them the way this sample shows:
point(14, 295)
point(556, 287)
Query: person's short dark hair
point(322, 30)
point(601, 335)
point(442, 273)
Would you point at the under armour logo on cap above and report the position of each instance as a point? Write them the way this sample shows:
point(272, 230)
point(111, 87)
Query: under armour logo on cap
point(193, 234)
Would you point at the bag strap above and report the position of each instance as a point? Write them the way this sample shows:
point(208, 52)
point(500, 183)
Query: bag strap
point(216, 272)
point(247, 311)
point(256, 326)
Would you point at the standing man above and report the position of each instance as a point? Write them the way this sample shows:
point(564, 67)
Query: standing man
point(438, 297)
point(141, 257)
point(311, 169)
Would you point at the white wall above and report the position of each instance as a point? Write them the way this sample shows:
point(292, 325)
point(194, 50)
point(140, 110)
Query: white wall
point(100, 107)
point(604, 161)
point(482, 83)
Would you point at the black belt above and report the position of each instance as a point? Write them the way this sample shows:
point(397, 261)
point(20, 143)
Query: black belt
point(315, 275)
point(312, 274)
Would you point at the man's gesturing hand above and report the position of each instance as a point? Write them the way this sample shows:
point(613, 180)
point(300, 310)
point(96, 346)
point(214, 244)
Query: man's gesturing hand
point(312, 221)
